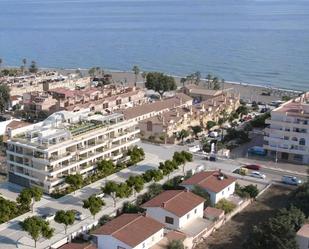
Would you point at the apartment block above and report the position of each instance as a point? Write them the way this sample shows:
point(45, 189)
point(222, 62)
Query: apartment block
point(67, 143)
point(287, 137)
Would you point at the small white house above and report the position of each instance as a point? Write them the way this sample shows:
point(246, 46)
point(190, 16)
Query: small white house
point(129, 231)
point(217, 184)
point(302, 237)
point(175, 208)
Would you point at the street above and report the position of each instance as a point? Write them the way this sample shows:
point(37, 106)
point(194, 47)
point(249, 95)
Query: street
point(12, 237)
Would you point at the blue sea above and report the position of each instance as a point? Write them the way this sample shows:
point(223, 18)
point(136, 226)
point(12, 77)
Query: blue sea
point(254, 41)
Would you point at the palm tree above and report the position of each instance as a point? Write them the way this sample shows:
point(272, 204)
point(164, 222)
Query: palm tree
point(144, 75)
point(183, 81)
point(24, 61)
point(136, 71)
point(1, 61)
point(209, 78)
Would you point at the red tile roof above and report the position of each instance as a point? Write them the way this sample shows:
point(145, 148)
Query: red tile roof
point(15, 124)
point(178, 202)
point(210, 180)
point(132, 229)
point(78, 246)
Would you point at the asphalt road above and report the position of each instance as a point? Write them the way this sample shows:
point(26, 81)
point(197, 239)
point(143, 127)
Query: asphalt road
point(11, 235)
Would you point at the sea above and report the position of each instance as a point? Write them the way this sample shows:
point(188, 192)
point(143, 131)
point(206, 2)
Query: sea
point(263, 42)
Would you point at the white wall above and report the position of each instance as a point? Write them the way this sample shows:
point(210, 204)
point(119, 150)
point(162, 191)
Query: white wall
point(159, 214)
point(225, 193)
point(109, 242)
point(302, 242)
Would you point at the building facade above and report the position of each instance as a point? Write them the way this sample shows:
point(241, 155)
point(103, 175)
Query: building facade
point(66, 143)
point(287, 137)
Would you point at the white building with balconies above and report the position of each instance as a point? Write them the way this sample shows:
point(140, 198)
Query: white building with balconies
point(287, 137)
point(66, 143)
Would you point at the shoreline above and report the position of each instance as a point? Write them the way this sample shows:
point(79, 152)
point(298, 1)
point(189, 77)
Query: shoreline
point(247, 91)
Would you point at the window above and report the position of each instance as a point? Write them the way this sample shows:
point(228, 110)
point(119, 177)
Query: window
point(169, 220)
point(149, 126)
point(302, 141)
point(119, 247)
point(195, 211)
point(144, 245)
point(188, 216)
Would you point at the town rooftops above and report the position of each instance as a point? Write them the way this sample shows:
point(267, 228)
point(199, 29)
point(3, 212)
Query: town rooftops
point(213, 181)
point(178, 202)
point(304, 231)
point(296, 107)
point(78, 246)
point(131, 229)
point(15, 124)
point(178, 100)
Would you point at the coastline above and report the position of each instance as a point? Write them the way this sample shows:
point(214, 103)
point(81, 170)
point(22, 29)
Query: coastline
point(248, 91)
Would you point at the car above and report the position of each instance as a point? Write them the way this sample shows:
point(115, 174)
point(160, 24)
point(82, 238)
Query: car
point(291, 180)
point(213, 134)
point(194, 148)
point(48, 217)
point(100, 195)
point(78, 215)
point(253, 166)
point(257, 174)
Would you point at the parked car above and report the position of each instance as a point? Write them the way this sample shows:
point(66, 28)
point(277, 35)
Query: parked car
point(48, 217)
point(291, 180)
point(213, 134)
point(257, 174)
point(78, 215)
point(194, 148)
point(100, 195)
point(253, 166)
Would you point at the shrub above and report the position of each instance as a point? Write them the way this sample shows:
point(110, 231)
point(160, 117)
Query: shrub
point(225, 205)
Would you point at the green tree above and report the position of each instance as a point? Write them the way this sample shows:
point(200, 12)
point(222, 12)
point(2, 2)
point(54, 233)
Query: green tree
point(130, 208)
point(65, 217)
point(1, 61)
point(209, 81)
point(94, 204)
point(182, 159)
point(183, 81)
point(175, 244)
point(278, 232)
point(75, 181)
point(136, 71)
point(202, 193)
point(197, 77)
point(28, 196)
point(136, 154)
point(167, 167)
point(181, 135)
point(4, 96)
point(225, 205)
point(242, 110)
point(215, 83)
point(196, 130)
point(8, 210)
point(111, 188)
point(210, 124)
point(106, 167)
point(160, 83)
point(252, 190)
point(33, 67)
point(24, 63)
point(300, 198)
point(255, 106)
point(36, 227)
point(136, 183)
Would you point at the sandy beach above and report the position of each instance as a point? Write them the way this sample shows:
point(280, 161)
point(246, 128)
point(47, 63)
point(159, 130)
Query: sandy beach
point(248, 92)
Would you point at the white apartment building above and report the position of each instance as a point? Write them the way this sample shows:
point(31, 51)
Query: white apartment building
point(287, 136)
point(66, 143)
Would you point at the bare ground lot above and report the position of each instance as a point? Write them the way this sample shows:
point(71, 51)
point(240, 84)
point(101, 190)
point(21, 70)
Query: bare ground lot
point(234, 232)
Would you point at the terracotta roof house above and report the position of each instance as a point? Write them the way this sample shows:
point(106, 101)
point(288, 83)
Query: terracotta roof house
point(302, 237)
point(179, 210)
point(78, 246)
point(129, 231)
point(217, 184)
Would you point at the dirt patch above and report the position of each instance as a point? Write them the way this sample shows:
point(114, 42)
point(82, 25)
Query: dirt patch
point(234, 232)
